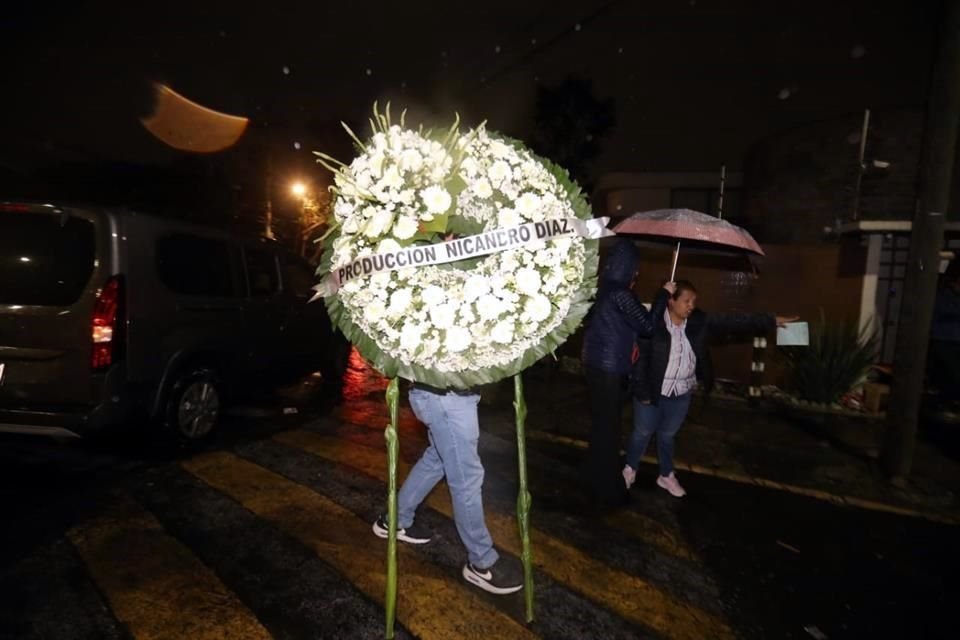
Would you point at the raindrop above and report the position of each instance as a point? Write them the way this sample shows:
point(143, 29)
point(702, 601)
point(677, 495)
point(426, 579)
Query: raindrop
point(784, 94)
point(589, 137)
point(496, 49)
point(858, 52)
point(403, 85)
point(620, 50)
point(369, 72)
point(286, 71)
point(296, 145)
point(619, 207)
point(576, 27)
point(443, 54)
point(533, 41)
point(223, 34)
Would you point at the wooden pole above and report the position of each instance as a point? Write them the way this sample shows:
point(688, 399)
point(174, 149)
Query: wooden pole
point(926, 241)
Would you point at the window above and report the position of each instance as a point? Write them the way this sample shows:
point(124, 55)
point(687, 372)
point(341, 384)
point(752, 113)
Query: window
point(195, 266)
point(262, 273)
point(45, 259)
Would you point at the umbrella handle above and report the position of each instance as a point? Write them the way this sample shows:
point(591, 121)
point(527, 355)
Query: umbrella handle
point(676, 254)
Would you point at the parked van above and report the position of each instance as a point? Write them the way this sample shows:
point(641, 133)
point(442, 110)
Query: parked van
point(112, 317)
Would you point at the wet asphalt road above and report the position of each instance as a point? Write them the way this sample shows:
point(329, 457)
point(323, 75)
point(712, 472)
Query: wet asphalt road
point(265, 533)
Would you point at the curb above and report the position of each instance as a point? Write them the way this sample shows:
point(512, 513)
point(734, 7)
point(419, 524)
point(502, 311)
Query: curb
point(826, 496)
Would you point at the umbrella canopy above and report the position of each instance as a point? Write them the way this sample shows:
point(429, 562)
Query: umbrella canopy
point(686, 224)
point(694, 228)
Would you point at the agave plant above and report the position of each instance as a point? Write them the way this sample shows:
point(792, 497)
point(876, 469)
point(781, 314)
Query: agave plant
point(837, 360)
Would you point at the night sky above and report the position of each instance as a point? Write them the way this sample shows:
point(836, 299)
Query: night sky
point(693, 82)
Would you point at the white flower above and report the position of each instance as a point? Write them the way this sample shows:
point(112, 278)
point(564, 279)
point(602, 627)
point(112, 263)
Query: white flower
point(508, 217)
point(388, 245)
point(458, 339)
point(474, 287)
point(433, 295)
point(498, 171)
point(405, 227)
point(527, 204)
point(489, 306)
point(435, 199)
point(399, 302)
point(411, 160)
point(442, 316)
point(503, 332)
point(378, 224)
point(528, 281)
point(411, 336)
point(482, 188)
point(538, 307)
point(391, 179)
point(374, 311)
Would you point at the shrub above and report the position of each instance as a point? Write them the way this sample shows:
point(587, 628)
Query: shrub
point(838, 359)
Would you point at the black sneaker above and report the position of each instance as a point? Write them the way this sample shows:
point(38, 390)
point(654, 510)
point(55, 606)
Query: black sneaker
point(412, 534)
point(501, 578)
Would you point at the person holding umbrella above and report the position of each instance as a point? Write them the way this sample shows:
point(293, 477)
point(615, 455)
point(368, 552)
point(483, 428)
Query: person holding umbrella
point(671, 362)
point(615, 320)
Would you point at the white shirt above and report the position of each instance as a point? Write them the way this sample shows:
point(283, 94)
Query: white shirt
point(681, 375)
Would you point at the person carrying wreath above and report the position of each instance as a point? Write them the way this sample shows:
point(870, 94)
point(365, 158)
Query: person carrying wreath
point(672, 360)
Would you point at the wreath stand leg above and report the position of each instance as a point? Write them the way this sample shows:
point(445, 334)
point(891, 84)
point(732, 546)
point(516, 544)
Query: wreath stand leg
point(523, 498)
point(390, 600)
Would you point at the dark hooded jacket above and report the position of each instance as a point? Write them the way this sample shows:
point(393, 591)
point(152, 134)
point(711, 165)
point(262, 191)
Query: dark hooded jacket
point(617, 317)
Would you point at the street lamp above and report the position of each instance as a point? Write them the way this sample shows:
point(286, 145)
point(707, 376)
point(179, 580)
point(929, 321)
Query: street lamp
point(298, 189)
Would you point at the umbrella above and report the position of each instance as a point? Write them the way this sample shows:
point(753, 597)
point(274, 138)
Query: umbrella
point(696, 228)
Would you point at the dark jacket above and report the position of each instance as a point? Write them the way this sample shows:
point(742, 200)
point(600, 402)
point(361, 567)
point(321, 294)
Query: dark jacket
point(648, 372)
point(617, 316)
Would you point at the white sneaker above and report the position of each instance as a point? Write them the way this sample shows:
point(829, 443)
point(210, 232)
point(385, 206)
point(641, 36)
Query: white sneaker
point(672, 485)
point(629, 475)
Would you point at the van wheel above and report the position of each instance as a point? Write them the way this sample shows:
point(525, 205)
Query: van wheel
point(193, 406)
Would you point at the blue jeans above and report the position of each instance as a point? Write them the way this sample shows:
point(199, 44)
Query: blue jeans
point(663, 419)
point(454, 430)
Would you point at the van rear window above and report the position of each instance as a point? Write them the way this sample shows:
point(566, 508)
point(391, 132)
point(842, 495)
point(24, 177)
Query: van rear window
point(45, 259)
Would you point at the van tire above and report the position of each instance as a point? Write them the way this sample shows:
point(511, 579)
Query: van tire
point(193, 406)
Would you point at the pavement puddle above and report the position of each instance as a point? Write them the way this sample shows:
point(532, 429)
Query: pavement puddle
point(627, 595)
point(154, 584)
point(342, 540)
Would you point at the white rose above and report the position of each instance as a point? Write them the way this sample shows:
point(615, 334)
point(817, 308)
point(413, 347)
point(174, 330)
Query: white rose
point(399, 302)
point(435, 199)
point(351, 225)
point(489, 306)
point(443, 315)
point(508, 217)
point(528, 281)
point(411, 336)
point(503, 332)
point(405, 227)
point(538, 307)
point(527, 204)
point(433, 295)
point(378, 224)
point(474, 287)
point(457, 340)
point(374, 311)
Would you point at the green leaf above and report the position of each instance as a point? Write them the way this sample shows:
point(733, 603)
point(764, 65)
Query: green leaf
point(437, 225)
point(462, 226)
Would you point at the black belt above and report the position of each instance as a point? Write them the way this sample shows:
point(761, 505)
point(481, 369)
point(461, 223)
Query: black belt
point(442, 392)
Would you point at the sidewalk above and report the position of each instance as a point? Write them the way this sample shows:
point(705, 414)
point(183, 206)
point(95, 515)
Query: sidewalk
point(728, 438)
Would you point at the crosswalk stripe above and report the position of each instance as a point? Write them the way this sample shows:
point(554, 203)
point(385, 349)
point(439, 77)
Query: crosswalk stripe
point(345, 541)
point(154, 584)
point(628, 596)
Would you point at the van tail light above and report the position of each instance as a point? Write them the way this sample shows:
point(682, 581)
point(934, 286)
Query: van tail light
point(107, 324)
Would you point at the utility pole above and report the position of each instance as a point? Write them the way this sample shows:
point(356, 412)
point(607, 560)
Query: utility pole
point(919, 287)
